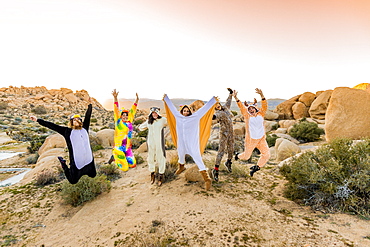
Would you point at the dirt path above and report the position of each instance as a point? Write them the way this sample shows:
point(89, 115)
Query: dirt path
point(237, 211)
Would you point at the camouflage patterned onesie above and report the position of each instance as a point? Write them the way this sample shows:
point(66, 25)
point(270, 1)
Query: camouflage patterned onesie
point(224, 117)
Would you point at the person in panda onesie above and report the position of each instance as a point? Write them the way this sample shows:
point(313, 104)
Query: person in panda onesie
point(255, 136)
point(81, 159)
point(190, 133)
point(155, 141)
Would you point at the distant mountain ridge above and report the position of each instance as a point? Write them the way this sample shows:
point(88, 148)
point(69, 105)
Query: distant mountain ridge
point(145, 103)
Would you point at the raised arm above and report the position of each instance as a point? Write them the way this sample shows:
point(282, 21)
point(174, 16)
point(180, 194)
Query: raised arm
point(50, 125)
point(171, 106)
point(229, 99)
point(203, 110)
point(115, 105)
point(87, 118)
point(242, 108)
point(264, 103)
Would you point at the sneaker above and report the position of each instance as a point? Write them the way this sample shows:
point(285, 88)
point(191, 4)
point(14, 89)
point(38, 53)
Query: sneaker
point(254, 169)
point(215, 175)
point(228, 165)
point(236, 156)
point(62, 161)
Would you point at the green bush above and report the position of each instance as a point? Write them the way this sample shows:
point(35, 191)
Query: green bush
point(335, 177)
point(47, 177)
point(110, 170)
point(139, 159)
point(40, 109)
point(143, 133)
point(271, 139)
point(96, 147)
point(36, 143)
point(85, 190)
point(306, 131)
point(3, 105)
point(32, 159)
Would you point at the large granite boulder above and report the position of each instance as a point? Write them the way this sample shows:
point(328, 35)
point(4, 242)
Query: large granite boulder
point(320, 104)
point(348, 114)
point(52, 141)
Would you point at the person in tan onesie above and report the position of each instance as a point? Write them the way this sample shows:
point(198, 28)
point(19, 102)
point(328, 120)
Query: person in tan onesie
point(255, 136)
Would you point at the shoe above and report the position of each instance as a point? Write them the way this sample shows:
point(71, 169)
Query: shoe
point(180, 169)
point(228, 165)
point(236, 156)
point(62, 161)
point(152, 178)
point(160, 179)
point(215, 175)
point(254, 169)
point(111, 159)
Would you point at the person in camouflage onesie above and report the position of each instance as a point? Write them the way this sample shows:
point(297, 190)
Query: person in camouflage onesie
point(224, 116)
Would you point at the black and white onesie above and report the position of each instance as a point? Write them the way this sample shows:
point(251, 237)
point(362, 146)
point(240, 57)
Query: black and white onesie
point(78, 143)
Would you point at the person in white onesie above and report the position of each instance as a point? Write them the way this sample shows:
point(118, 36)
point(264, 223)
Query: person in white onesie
point(190, 133)
point(155, 141)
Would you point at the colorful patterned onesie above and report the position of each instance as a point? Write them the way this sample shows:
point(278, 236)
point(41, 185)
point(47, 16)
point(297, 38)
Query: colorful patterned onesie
point(122, 152)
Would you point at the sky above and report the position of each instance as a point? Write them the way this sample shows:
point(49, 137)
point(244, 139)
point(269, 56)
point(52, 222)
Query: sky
point(185, 48)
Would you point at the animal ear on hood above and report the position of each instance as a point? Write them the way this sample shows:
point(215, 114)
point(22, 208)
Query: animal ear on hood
point(255, 101)
point(246, 104)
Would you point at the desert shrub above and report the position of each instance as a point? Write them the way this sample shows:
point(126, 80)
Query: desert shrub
point(96, 147)
point(306, 131)
point(143, 133)
point(212, 146)
point(47, 177)
point(93, 120)
point(110, 170)
point(3, 105)
point(18, 119)
point(36, 143)
point(271, 139)
point(335, 177)
point(139, 159)
point(32, 159)
point(40, 109)
point(234, 113)
point(85, 190)
point(138, 121)
point(136, 142)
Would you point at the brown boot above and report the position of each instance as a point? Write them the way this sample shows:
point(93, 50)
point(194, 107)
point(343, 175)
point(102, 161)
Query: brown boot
point(152, 178)
point(206, 179)
point(180, 169)
point(160, 179)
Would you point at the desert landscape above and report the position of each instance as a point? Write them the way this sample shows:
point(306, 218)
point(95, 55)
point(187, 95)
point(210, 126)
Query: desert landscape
point(239, 210)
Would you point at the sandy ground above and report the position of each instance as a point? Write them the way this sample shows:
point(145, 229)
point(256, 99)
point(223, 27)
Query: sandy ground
point(237, 211)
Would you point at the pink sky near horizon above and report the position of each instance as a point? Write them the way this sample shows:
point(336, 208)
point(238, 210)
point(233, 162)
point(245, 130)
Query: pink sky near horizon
point(284, 47)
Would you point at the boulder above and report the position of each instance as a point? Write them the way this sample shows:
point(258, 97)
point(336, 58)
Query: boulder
point(106, 137)
point(270, 115)
point(192, 174)
point(307, 98)
point(285, 149)
point(52, 141)
point(196, 105)
point(320, 104)
point(286, 123)
point(348, 114)
point(299, 110)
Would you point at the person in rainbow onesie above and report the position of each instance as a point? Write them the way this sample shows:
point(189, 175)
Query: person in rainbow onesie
point(122, 152)
point(190, 133)
point(255, 136)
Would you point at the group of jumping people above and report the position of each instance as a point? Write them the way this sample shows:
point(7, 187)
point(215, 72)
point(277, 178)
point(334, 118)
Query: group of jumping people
point(190, 131)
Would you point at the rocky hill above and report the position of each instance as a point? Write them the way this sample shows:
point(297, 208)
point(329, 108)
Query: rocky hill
point(18, 103)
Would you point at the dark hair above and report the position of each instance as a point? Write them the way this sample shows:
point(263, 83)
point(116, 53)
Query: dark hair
point(124, 112)
point(151, 118)
point(182, 109)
